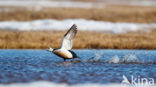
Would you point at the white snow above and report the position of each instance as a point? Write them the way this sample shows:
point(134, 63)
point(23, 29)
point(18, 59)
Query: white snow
point(51, 84)
point(68, 3)
point(48, 3)
point(89, 25)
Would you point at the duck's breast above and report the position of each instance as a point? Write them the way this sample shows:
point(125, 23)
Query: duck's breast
point(64, 53)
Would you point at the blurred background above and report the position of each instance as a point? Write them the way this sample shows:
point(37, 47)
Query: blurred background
point(103, 25)
point(114, 24)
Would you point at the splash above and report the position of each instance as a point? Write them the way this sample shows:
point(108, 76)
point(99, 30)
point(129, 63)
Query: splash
point(70, 62)
point(96, 58)
point(114, 59)
point(130, 58)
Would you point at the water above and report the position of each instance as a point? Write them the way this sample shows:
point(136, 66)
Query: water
point(95, 66)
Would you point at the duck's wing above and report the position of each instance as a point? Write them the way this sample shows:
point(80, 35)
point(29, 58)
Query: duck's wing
point(67, 39)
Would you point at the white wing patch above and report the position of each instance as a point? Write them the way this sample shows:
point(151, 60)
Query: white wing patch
point(67, 39)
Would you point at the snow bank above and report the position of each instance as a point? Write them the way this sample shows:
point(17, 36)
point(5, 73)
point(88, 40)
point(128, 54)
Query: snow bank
point(47, 3)
point(68, 3)
point(89, 25)
point(50, 84)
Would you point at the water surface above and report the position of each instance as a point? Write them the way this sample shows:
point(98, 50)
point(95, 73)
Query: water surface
point(95, 66)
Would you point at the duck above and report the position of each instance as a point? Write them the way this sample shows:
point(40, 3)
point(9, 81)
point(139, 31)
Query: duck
point(65, 51)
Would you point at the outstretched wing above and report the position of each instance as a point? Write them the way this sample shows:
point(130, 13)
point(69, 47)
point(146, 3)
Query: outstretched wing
point(67, 39)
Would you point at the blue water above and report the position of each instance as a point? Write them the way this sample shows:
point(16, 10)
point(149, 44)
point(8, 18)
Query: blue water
point(95, 66)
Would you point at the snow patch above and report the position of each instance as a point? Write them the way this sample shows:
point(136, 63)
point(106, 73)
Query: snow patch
point(51, 84)
point(48, 3)
point(89, 25)
point(68, 3)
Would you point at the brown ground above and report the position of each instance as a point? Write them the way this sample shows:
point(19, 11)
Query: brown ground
point(45, 39)
point(141, 14)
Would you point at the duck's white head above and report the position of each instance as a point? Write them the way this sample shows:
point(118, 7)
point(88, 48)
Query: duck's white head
point(50, 49)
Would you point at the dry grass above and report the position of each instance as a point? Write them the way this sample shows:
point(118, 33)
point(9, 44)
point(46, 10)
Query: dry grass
point(97, 40)
point(139, 14)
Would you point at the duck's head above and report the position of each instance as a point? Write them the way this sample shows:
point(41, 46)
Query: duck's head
point(50, 49)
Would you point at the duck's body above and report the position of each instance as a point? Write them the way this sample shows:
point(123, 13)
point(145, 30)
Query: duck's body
point(65, 51)
point(65, 54)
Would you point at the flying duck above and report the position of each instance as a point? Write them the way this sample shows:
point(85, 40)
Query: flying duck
point(65, 51)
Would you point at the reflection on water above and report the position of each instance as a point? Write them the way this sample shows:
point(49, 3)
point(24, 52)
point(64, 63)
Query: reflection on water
point(95, 66)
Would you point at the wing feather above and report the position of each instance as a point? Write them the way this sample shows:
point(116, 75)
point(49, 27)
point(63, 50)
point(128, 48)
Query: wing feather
point(67, 39)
